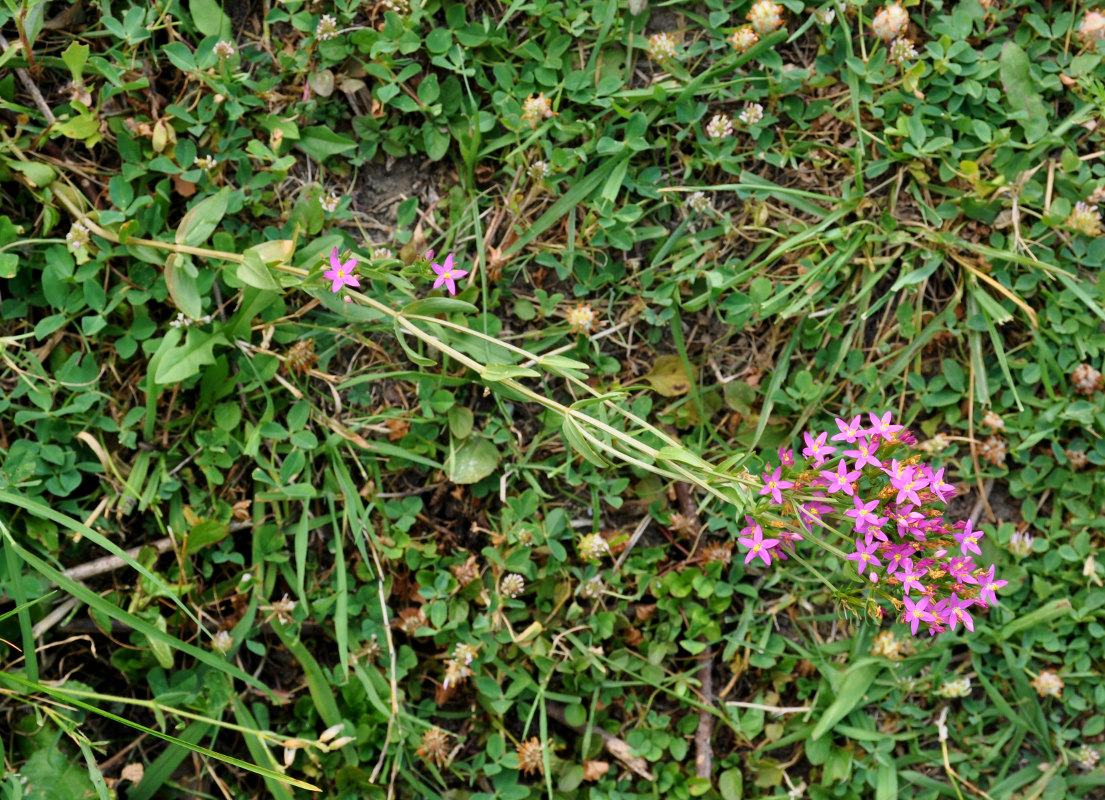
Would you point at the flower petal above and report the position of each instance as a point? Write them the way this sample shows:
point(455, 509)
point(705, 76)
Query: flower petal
point(440, 279)
point(335, 262)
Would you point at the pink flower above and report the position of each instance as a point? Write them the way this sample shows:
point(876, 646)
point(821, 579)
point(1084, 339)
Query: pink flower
point(910, 580)
point(786, 457)
point(811, 513)
point(989, 586)
point(864, 516)
point(968, 540)
point(841, 480)
point(341, 274)
point(773, 483)
point(758, 546)
point(817, 448)
point(956, 612)
point(864, 556)
point(864, 453)
point(908, 485)
point(881, 425)
point(849, 431)
point(915, 613)
point(446, 274)
point(944, 491)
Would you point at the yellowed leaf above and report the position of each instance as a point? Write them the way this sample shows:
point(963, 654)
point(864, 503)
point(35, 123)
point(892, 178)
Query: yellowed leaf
point(668, 377)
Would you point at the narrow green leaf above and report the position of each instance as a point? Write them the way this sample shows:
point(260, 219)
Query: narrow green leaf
point(854, 685)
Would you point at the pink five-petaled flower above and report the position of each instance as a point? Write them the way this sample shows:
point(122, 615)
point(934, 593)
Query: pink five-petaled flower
point(864, 453)
point(341, 274)
point(849, 431)
point(915, 613)
point(864, 556)
point(987, 594)
point(967, 539)
point(817, 448)
point(863, 514)
point(841, 480)
point(909, 579)
point(447, 274)
point(758, 546)
point(956, 612)
point(786, 457)
point(773, 483)
point(881, 425)
point(908, 485)
point(944, 491)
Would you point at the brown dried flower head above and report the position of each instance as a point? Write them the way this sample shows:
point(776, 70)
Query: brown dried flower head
point(411, 619)
point(301, 357)
point(530, 756)
point(435, 747)
point(994, 450)
point(467, 572)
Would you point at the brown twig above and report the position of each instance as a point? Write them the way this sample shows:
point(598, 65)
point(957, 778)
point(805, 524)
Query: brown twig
point(28, 82)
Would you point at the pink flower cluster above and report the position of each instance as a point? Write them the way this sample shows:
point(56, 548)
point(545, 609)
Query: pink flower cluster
point(923, 564)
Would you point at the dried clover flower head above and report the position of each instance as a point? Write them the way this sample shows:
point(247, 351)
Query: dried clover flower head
point(1085, 219)
point(753, 113)
point(411, 619)
point(435, 747)
point(537, 107)
point(513, 585)
point(744, 39)
point(1077, 458)
point(592, 589)
point(456, 672)
point(327, 28)
point(467, 572)
point(890, 646)
point(222, 642)
point(224, 49)
point(1047, 684)
point(368, 653)
point(1086, 380)
point(301, 357)
point(718, 551)
point(1092, 29)
point(937, 444)
point(765, 17)
point(380, 253)
point(593, 547)
point(719, 126)
point(581, 318)
point(993, 421)
point(890, 22)
point(902, 50)
point(531, 756)
point(993, 450)
point(1020, 543)
point(283, 609)
point(662, 47)
point(398, 6)
point(958, 687)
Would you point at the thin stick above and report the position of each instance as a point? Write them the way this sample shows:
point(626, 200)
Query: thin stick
point(29, 85)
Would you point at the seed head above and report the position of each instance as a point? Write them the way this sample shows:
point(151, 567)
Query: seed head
point(890, 22)
point(699, 202)
point(411, 619)
point(994, 450)
point(538, 171)
point(530, 756)
point(435, 747)
point(467, 572)
point(958, 687)
point(329, 202)
point(222, 642)
point(301, 357)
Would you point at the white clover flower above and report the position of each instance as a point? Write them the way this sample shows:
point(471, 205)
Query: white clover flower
point(464, 653)
point(1047, 684)
point(205, 163)
point(719, 126)
point(958, 687)
point(824, 16)
point(1085, 219)
point(1087, 757)
point(662, 47)
point(744, 39)
point(1020, 544)
point(327, 28)
point(77, 236)
point(592, 589)
point(513, 585)
point(538, 170)
point(593, 547)
point(222, 642)
point(890, 22)
point(330, 202)
point(765, 16)
point(699, 202)
point(753, 113)
point(224, 49)
point(902, 50)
